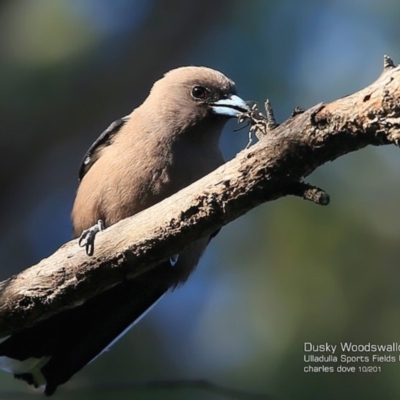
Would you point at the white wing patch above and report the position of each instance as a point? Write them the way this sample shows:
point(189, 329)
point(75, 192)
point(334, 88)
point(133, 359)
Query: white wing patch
point(31, 365)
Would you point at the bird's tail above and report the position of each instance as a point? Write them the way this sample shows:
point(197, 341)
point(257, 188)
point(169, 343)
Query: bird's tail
point(50, 352)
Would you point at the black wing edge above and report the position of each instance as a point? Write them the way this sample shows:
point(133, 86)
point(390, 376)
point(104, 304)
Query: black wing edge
point(103, 140)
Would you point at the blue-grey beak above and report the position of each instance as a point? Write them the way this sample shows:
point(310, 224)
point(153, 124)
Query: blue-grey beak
point(232, 106)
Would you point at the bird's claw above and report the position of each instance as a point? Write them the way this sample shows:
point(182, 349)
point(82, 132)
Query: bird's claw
point(87, 237)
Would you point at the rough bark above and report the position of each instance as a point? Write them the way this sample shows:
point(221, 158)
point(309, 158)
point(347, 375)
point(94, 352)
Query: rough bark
point(271, 169)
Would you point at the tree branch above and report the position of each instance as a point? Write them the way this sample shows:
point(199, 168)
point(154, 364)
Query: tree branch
point(269, 170)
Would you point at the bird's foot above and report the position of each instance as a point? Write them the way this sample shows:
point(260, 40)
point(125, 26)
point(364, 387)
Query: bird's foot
point(87, 237)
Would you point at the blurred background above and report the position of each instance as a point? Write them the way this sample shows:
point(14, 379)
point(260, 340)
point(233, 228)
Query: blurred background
point(288, 272)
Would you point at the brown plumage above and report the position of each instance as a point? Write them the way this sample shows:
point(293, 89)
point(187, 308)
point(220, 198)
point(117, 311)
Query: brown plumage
point(168, 142)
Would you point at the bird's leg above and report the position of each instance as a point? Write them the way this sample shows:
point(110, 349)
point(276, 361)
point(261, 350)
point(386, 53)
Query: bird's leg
point(87, 237)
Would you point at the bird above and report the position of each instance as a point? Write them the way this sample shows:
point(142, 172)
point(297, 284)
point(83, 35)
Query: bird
point(162, 146)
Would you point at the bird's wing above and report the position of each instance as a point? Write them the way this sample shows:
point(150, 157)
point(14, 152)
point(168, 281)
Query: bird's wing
point(65, 343)
point(102, 141)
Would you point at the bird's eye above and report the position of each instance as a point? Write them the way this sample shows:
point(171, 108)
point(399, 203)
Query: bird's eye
point(199, 92)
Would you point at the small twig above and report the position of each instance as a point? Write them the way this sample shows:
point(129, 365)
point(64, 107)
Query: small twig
point(387, 62)
point(271, 121)
point(297, 110)
point(259, 123)
point(309, 192)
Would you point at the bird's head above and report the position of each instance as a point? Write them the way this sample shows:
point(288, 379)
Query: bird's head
point(197, 95)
